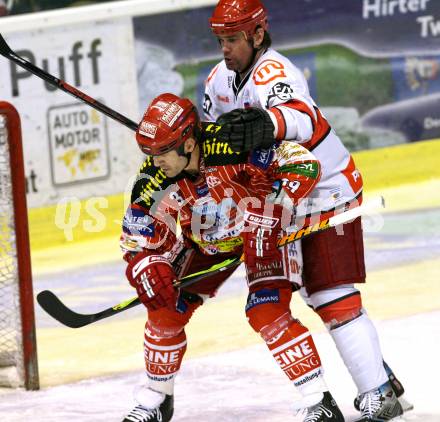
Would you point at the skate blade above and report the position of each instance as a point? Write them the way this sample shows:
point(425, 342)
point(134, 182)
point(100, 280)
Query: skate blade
point(406, 405)
point(399, 418)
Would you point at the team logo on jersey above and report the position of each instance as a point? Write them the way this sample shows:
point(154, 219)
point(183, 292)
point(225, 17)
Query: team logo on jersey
point(268, 71)
point(282, 91)
point(213, 181)
point(207, 104)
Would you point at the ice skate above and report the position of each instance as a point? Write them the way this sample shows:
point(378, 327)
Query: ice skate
point(380, 405)
point(398, 389)
point(153, 407)
point(324, 410)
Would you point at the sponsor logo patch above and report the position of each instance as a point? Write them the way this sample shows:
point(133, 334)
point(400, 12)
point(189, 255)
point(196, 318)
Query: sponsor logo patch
point(202, 190)
point(305, 169)
point(160, 105)
point(282, 91)
point(268, 71)
point(262, 297)
point(148, 129)
point(260, 221)
point(261, 157)
point(223, 99)
point(172, 114)
point(136, 222)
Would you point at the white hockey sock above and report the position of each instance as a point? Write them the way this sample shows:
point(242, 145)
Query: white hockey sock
point(358, 344)
point(166, 387)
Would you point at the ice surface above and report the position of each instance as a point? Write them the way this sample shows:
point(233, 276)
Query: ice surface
point(245, 385)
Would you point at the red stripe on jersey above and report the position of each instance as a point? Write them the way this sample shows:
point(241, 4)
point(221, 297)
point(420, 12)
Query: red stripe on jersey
point(211, 75)
point(353, 176)
point(321, 128)
point(281, 132)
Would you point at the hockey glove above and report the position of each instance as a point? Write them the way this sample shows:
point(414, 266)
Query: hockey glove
point(153, 276)
point(261, 231)
point(246, 128)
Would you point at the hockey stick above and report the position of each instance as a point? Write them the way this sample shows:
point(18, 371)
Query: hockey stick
point(342, 218)
point(50, 302)
point(6, 51)
point(55, 308)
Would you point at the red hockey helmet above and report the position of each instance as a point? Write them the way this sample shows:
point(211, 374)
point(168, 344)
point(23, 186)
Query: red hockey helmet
point(231, 16)
point(168, 122)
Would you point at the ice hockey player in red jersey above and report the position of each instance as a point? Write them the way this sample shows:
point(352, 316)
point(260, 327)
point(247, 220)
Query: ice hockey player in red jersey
point(254, 85)
point(228, 203)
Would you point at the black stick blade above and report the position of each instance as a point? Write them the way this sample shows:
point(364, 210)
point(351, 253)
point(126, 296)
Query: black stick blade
point(4, 47)
point(57, 310)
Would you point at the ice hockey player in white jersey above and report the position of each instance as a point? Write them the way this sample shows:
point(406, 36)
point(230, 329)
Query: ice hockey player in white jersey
point(252, 87)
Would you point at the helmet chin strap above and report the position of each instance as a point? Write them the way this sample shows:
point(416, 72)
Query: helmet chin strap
point(181, 150)
point(181, 153)
point(188, 158)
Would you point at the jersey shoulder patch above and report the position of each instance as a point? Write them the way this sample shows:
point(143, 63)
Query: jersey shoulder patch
point(262, 157)
point(150, 181)
point(267, 71)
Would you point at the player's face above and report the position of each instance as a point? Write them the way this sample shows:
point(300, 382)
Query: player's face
point(237, 51)
point(170, 163)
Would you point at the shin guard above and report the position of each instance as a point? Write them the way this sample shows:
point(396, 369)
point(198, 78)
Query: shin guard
point(289, 341)
point(163, 358)
point(295, 352)
point(353, 333)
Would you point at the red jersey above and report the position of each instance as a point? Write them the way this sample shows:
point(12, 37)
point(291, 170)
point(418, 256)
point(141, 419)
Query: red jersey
point(210, 205)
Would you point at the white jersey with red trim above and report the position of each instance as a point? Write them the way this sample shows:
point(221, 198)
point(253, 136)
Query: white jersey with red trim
point(278, 86)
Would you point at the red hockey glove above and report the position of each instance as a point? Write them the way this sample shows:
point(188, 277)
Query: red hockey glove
point(153, 276)
point(263, 259)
